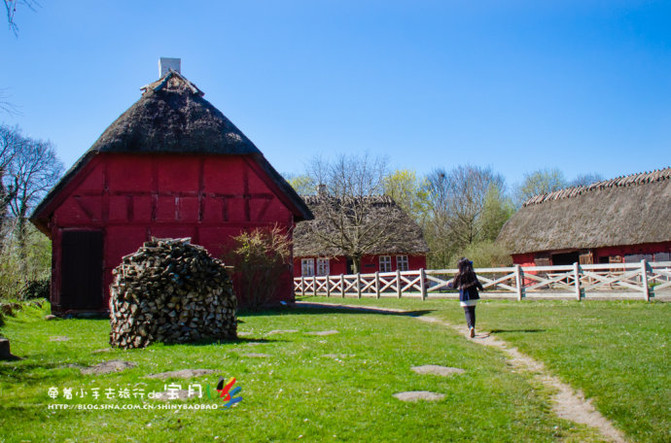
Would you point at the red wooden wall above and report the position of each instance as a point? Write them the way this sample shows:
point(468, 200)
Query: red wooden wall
point(131, 198)
point(369, 264)
point(604, 252)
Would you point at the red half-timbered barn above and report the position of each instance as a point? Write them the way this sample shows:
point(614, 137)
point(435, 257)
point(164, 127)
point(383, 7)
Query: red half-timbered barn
point(622, 220)
point(171, 166)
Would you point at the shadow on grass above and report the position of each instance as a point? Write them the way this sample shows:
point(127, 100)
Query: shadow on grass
point(202, 342)
point(234, 341)
point(26, 371)
point(303, 308)
point(499, 331)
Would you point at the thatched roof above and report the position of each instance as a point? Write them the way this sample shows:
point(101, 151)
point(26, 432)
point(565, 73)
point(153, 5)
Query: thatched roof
point(173, 117)
point(404, 236)
point(627, 210)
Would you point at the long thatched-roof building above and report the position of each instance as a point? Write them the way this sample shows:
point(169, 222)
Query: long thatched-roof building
point(172, 165)
point(624, 219)
point(372, 231)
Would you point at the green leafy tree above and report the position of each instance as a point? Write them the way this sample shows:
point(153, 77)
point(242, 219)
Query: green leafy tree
point(408, 192)
point(485, 253)
point(302, 184)
point(496, 211)
point(539, 182)
point(25, 275)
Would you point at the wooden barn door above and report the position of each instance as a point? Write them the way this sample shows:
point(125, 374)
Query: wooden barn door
point(82, 269)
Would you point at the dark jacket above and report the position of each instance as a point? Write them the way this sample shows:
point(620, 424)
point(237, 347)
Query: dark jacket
point(470, 291)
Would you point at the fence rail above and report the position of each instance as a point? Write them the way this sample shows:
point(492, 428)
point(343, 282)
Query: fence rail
point(618, 280)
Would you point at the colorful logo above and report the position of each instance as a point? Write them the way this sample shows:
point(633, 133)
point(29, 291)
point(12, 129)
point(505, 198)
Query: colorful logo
point(226, 393)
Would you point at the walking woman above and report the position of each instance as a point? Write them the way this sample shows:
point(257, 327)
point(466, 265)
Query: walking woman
point(467, 283)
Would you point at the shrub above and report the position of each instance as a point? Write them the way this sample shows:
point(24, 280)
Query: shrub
point(260, 258)
point(20, 270)
point(486, 254)
point(10, 276)
point(35, 289)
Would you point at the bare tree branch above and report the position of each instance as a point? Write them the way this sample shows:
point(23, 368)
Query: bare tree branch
point(28, 169)
point(34, 170)
point(11, 6)
point(11, 142)
point(457, 201)
point(352, 217)
point(6, 106)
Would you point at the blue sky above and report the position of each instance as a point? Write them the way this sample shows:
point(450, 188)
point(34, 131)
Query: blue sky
point(583, 86)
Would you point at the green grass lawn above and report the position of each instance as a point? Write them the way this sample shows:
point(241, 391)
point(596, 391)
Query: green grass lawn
point(617, 352)
point(310, 387)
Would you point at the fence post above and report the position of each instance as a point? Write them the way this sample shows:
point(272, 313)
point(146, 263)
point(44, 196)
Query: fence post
point(358, 284)
point(399, 286)
point(576, 277)
point(302, 285)
point(377, 284)
point(644, 279)
point(519, 282)
point(422, 283)
point(328, 286)
point(314, 285)
point(342, 285)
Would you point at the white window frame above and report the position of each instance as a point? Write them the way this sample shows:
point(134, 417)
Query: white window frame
point(385, 263)
point(402, 263)
point(307, 267)
point(323, 266)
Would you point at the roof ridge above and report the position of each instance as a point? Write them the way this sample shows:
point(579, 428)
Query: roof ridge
point(375, 198)
point(402, 233)
point(163, 81)
point(621, 181)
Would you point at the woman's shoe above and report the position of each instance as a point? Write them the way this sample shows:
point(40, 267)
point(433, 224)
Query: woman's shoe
point(472, 332)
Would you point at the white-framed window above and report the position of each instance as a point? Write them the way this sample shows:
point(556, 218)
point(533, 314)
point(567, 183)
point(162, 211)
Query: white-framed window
point(662, 256)
point(402, 262)
point(385, 263)
point(307, 267)
point(323, 266)
point(636, 258)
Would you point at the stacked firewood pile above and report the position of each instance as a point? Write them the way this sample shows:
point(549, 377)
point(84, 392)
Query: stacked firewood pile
point(172, 292)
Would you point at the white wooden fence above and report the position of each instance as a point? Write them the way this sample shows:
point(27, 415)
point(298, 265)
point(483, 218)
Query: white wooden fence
point(619, 280)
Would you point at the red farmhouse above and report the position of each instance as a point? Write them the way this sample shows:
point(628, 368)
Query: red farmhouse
point(401, 246)
point(171, 166)
point(622, 220)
